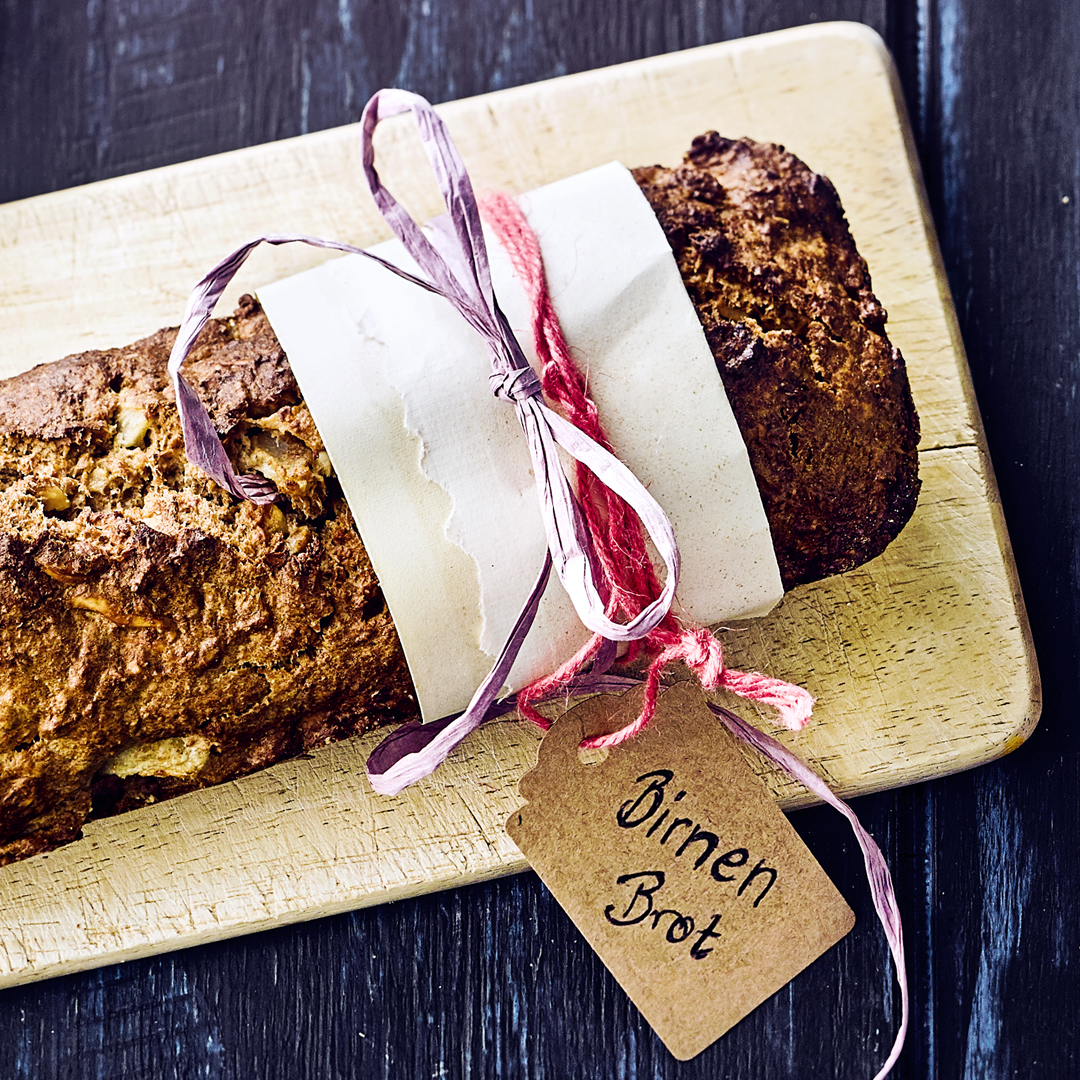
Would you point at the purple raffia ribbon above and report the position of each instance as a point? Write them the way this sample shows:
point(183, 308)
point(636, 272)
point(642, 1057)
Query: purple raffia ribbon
point(877, 871)
point(455, 264)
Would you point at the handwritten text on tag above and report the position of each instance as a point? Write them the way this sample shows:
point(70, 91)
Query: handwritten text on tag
point(676, 865)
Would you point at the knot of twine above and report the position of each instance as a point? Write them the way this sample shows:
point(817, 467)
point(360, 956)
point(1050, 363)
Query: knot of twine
point(701, 652)
point(515, 386)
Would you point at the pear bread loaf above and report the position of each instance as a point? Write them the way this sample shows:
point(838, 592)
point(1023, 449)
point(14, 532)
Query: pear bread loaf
point(158, 635)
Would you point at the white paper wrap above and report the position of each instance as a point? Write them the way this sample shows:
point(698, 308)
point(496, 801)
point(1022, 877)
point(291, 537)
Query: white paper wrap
point(436, 470)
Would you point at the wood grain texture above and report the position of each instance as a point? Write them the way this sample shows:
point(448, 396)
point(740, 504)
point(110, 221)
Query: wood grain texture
point(490, 980)
point(999, 115)
point(118, 86)
point(921, 660)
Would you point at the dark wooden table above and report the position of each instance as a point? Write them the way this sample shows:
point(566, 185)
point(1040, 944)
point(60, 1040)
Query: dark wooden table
point(492, 980)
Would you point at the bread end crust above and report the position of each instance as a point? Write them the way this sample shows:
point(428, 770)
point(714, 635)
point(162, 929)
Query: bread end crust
point(820, 394)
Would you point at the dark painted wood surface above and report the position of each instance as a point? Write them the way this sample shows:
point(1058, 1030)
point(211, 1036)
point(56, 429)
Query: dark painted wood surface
point(491, 981)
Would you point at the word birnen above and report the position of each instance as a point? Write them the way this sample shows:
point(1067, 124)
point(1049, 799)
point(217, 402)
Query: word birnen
point(638, 811)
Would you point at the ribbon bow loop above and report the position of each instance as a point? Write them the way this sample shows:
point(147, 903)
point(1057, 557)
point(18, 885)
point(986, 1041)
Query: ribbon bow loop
point(460, 271)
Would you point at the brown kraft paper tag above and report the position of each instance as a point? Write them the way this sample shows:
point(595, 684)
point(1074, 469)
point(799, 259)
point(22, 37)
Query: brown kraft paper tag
point(676, 865)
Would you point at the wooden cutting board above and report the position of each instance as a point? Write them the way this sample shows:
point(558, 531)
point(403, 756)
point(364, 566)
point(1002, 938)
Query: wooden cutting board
point(921, 661)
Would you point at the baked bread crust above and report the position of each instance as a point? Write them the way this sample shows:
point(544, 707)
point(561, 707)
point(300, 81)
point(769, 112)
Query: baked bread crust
point(156, 635)
point(820, 394)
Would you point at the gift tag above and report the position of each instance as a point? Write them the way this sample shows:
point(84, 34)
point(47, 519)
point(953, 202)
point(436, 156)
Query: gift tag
point(676, 865)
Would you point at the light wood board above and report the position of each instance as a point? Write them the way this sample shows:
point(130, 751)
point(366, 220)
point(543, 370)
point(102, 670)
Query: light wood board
point(921, 661)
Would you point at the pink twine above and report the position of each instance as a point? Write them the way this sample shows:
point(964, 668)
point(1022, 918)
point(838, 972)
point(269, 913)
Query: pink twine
point(628, 577)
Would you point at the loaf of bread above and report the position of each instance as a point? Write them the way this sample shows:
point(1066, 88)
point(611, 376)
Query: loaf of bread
point(158, 636)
